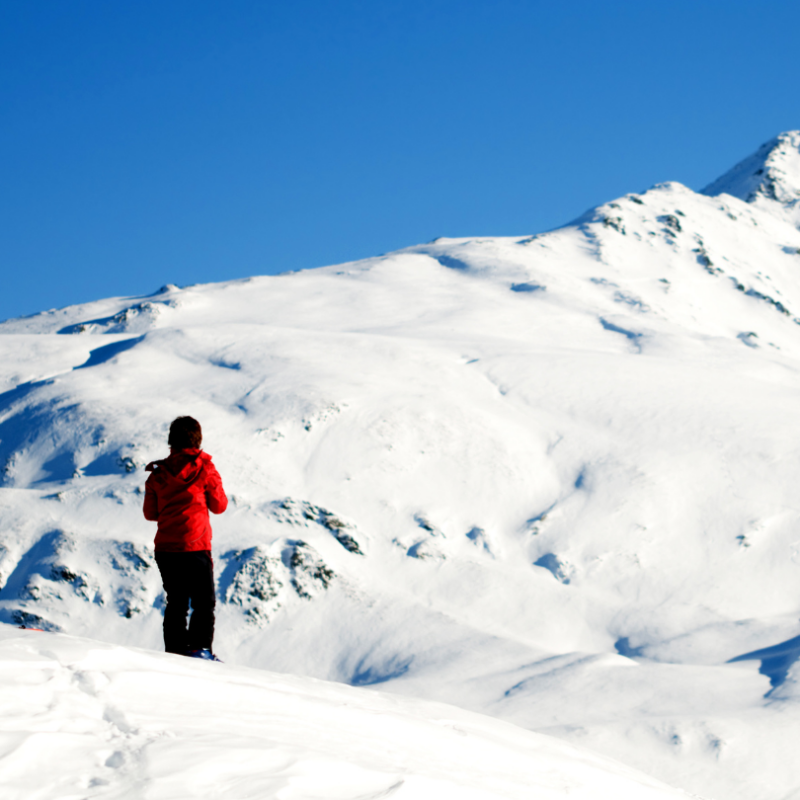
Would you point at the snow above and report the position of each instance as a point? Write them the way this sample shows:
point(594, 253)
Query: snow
point(769, 178)
point(550, 479)
point(82, 719)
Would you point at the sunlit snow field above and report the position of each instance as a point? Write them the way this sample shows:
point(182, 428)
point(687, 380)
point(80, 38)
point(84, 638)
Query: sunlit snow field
point(82, 719)
point(551, 479)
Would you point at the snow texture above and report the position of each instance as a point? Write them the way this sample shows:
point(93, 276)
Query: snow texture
point(551, 479)
point(83, 719)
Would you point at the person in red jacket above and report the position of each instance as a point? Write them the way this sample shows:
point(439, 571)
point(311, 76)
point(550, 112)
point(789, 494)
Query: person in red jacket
point(179, 493)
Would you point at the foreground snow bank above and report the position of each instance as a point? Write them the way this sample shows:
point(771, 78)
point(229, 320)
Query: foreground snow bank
point(81, 719)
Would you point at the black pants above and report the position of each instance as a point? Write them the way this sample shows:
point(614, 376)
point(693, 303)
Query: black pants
point(187, 577)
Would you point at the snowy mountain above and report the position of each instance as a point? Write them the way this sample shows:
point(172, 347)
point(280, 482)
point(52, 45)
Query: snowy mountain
point(548, 478)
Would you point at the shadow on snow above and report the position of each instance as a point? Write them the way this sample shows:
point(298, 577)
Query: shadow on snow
point(775, 661)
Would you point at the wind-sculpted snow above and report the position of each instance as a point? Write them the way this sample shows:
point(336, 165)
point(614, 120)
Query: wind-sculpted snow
point(551, 477)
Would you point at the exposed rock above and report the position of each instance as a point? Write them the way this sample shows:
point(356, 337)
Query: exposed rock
point(301, 512)
point(310, 574)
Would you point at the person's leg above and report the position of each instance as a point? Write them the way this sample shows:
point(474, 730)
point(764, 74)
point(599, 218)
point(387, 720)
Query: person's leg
point(201, 624)
point(173, 568)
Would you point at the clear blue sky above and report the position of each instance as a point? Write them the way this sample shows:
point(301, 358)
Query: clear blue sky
point(145, 142)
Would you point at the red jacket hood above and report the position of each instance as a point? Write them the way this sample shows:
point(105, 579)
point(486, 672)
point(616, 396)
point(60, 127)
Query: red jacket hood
point(181, 466)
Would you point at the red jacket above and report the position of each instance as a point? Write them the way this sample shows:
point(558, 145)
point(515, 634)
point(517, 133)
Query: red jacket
point(178, 495)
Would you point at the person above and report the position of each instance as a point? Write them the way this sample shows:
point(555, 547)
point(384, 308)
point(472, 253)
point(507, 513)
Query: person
point(179, 493)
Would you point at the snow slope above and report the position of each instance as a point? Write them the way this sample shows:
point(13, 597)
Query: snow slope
point(83, 719)
point(549, 478)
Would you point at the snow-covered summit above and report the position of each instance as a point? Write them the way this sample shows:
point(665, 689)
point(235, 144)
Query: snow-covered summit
point(770, 177)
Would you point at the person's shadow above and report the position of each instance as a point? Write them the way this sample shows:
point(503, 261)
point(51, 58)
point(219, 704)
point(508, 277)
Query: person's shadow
point(775, 661)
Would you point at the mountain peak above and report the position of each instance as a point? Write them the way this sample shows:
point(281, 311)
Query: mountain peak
point(771, 174)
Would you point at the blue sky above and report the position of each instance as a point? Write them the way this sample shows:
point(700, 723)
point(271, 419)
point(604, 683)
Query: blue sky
point(146, 143)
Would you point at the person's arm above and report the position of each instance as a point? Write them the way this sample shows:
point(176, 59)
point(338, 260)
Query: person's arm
point(216, 499)
point(150, 503)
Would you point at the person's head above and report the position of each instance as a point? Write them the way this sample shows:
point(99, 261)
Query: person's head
point(185, 432)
